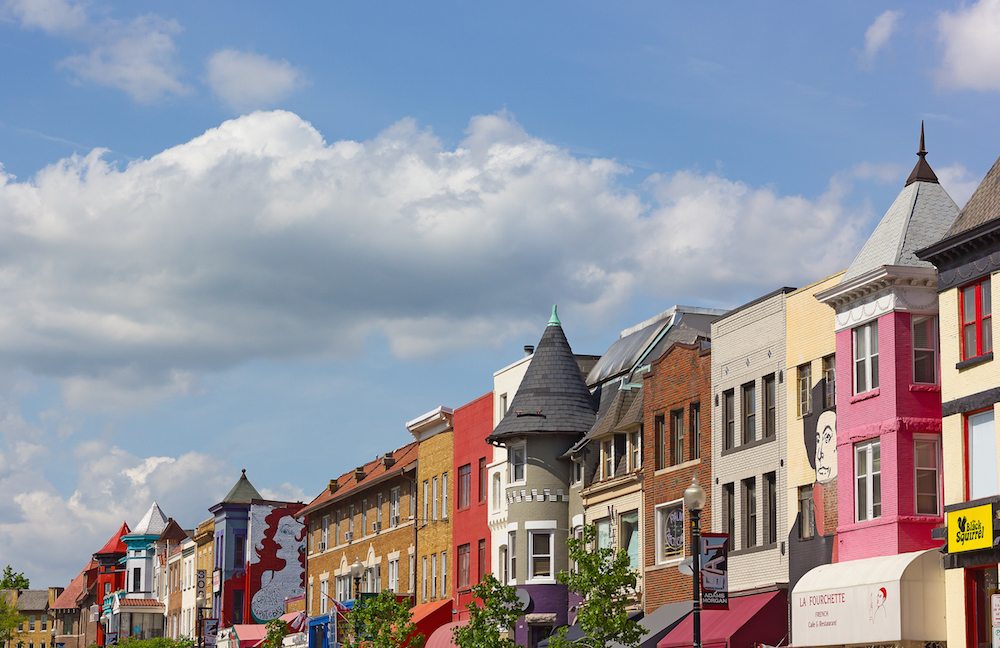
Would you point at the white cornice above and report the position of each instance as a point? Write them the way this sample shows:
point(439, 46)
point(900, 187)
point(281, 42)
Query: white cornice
point(433, 422)
point(882, 290)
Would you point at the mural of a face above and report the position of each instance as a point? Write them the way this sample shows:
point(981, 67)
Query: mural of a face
point(826, 447)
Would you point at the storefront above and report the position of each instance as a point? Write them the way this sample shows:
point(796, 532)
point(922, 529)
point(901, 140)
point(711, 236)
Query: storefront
point(891, 601)
point(971, 568)
point(751, 620)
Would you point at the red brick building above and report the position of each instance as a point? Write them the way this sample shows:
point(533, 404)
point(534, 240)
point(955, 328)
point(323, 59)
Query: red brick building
point(677, 444)
point(473, 422)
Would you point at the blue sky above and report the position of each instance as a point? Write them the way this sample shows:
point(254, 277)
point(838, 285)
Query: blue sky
point(267, 235)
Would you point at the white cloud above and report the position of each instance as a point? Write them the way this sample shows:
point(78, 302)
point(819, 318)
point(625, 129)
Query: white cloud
point(245, 80)
point(258, 239)
point(971, 46)
point(958, 182)
point(878, 34)
point(138, 57)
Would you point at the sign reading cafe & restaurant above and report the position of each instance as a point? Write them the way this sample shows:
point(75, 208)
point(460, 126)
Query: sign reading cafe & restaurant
point(970, 529)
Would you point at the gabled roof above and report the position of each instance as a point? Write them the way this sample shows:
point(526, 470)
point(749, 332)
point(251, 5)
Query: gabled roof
point(114, 545)
point(67, 600)
point(920, 215)
point(983, 206)
point(552, 397)
point(30, 600)
point(174, 532)
point(152, 523)
point(375, 472)
point(242, 492)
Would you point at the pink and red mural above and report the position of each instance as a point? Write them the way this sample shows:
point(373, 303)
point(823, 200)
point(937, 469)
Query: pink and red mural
point(276, 566)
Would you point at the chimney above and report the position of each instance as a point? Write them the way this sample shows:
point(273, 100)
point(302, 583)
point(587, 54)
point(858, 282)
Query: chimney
point(529, 349)
point(388, 460)
point(359, 473)
point(333, 486)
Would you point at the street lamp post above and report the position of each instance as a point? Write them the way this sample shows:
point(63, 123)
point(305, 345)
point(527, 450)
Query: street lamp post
point(694, 500)
point(357, 569)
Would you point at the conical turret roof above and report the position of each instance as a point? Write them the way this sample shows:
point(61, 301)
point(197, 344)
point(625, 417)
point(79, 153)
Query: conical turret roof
point(242, 492)
point(552, 397)
point(921, 214)
point(152, 523)
point(115, 545)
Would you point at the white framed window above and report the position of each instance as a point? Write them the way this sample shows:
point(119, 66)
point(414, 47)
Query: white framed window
point(434, 575)
point(444, 574)
point(324, 595)
point(577, 471)
point(434, 498)
point(364, 517)
point(326, 533)
point(501, 406)
point(635, 448)
point(865, 357)
point(981, 455)
point(394, 575)
point(497, 492)
point(925, 349)
point(413, 574)
point(670, 531)
point(603, 533)
point(608, 459)
point(427, 502)
point(394, 506)
point(868, 480)
point(444, 496)
point(423, 580)
point(502, 560)
point(512, 556)
point(540, 560)
point(516, 458)
point(926, 479)
point(378, 510)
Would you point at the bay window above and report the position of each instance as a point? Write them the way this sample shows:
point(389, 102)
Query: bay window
point(868, 480)
point(540, 546)
point(926, 475)
point(925, 355)
point(865, 357)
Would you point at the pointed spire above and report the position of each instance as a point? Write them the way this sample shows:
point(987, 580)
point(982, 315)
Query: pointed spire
point(554, 320)
point(115, 545)
point(242, 491)
point(922, 172)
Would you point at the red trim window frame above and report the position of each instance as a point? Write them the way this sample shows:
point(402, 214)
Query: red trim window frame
point(965, 449)
point(979, 320)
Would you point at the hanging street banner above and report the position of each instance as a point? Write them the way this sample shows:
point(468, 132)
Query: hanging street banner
point(715, 571)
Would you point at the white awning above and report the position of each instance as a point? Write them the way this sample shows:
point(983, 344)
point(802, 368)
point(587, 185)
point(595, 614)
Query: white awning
point(884, 599)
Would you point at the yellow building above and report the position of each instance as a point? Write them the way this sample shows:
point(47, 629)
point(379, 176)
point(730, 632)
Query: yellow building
point(811, 424)
point(36, 629)
point(968, 260)
point(435, 455)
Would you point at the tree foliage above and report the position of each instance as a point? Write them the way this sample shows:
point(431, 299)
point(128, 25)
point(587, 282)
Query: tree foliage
point(13, 580)
point(607, 583)
point(492, 613)
point(10, 619)
point(382, 621)
point(156, 642)
point(276, 631)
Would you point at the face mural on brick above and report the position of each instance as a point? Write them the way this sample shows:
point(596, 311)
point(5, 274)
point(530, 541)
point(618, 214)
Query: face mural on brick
point(277, 559)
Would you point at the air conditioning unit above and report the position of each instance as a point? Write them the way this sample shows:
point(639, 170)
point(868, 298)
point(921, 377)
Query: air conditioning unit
point(376, 527)
point(349, 536)
point(393, 520)
point(322, 546)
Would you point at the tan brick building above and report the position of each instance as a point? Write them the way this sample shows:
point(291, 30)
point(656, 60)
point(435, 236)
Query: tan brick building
point(365, 515)
point(36, 629)
point(435, 455)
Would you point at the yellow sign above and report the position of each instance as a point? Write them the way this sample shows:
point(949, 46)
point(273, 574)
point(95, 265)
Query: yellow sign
point(970, 529)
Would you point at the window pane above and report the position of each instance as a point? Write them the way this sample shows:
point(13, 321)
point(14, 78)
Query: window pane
point(923, 367)
point(969, 304)
point(862, 488)
point(872, 337)
point(876, 449)
point(860, 343)
point(630, 537)
point(874, 363)
point(987, 298)
point(876, 495)
point(861, 459)
point(987, 335)
point(860, 380)
point(927, 490)
point(982, 456)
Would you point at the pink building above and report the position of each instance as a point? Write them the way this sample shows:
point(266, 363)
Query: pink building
point(888, 390)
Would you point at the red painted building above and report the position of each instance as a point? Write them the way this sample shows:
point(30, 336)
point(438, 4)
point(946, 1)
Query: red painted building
point(110, 574)
point(473, 422)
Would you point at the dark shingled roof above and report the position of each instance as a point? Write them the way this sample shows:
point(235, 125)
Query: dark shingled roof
point(552, 398)
point(983, 206)
point(242, 492)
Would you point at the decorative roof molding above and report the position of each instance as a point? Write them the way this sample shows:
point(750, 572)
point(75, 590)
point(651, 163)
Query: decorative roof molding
point(431, 423)
point(850, 291)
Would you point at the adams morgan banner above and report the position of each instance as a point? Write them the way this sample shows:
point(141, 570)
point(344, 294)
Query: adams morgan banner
point(714, 571)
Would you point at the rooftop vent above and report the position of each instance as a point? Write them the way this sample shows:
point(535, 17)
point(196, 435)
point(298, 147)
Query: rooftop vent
point(388, 460)
point(529, 349)
point(333, 486)
point(359, 473)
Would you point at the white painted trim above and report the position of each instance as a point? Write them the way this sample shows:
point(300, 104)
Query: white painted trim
point(577, 521)
point(543, 525)
point(511, 526)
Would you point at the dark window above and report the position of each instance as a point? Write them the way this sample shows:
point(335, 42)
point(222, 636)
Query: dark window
point(729, 510)
point(482, 479)
point(463, 566)
point(481, 560)
point(749, 505)
point(464, 485)
point(136, 580)
point(729, 418)
point(238, 606)
point(807, 513)
point(748, 395)
point(661, 442)
point(976, 310)
point(770, 508)
point(239, 552)
point(676, 437)
point(770, 407)
point(694, 422)
point(829, 382)
point(621, 454)
point(803, 387)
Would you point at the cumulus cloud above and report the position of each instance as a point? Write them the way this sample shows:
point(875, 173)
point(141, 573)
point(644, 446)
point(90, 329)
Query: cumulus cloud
point(878, 34)
point(971, 47)
point(258, 239)
point(958, 181)
point(245, 80)
point(138, 56)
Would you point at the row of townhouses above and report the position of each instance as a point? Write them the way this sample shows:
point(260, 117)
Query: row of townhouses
point(843, 433)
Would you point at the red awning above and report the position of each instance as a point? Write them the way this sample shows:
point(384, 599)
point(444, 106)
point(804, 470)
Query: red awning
point(442, 637)
point(749, 621)
point(428, 617)
point(250, 635)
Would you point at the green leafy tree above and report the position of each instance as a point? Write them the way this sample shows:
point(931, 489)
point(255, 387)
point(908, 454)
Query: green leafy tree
point(381, 621)
point(13, 580)
point(607, 583)
point(490, 621)
point(156, 642)
point(276, 631)
point(10, 620)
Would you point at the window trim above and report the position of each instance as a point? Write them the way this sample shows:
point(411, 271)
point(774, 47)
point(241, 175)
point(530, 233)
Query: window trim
point(729, 419)
point(770, 393)
point(512, 449)
point(867, 447)
point(607, 455)
point(464, 496)
point(748, 412)
point(694, 430)
point(978, 318)
point(676, 436)
point(532, 578)
point(748, 512)
point(966, 464)
point(803, 389)
point(658, 542)
point(660, 431)
point(806, 526)
point(871, 377)
point(935, 349)
point(924, 438)
point(829, 369)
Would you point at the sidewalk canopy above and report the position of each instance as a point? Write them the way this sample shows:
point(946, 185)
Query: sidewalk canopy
point(873, 600)
point(749, 621)
point(249, 635)
point(442, 637)
point(428, 617)
point(658, 623)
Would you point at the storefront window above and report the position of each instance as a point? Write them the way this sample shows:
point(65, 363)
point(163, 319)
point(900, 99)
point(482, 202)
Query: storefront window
point(669, 531)
point(979, 585)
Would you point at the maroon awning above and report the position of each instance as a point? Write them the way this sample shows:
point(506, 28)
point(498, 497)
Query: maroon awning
point(749, 621)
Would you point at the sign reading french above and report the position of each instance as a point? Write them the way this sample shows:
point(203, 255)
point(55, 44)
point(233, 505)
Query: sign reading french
point(715, 571)
point(970, 529)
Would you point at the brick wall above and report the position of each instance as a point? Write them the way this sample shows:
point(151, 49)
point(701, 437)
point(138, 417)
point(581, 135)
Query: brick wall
point(436, 457)
point(678, 379)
